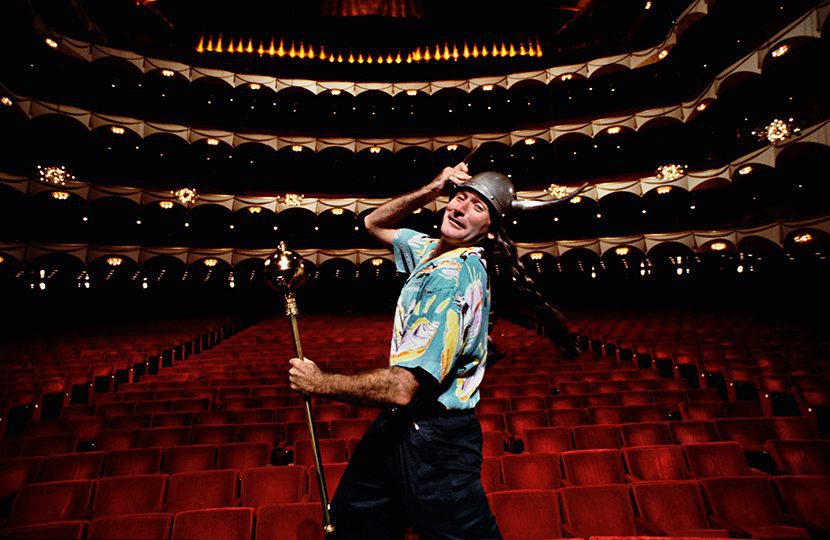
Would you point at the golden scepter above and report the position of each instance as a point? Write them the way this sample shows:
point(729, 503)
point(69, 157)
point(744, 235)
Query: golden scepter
point(285, 272)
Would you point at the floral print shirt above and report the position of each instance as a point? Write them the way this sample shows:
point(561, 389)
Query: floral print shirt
point(441, 318)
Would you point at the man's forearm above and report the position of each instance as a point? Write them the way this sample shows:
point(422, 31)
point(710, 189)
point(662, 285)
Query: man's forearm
point(392, 386)
point(393, 211)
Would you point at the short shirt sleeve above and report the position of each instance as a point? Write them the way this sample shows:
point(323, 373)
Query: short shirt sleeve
point(409, 248)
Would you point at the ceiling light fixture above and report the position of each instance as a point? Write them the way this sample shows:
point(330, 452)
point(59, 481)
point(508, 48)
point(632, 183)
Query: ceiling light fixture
point(780, 51)
point(670, 172)
point(114, 261)
point(805, 238)
point(51, 43)
point(211, 262)
point(60, 195)
point(718, 246)
point(743, 171)
point(186, 196)
point(7, 101)
point(622, 251)
point(536, 256)
point(54, 174)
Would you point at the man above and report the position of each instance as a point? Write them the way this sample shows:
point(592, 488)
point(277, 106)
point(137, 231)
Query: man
point(419, 463)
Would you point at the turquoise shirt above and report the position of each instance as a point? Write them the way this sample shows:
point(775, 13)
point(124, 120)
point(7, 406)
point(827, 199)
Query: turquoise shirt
point(442, 316)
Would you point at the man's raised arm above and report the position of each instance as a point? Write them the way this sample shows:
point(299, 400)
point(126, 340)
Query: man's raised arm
point(381, 222)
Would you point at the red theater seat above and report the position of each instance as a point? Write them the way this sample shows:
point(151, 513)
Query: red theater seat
point(491, 421)
point(513, 508)
point(531, 471)
point(192, 457)
point(132, 461)
point(700, 410)
point(527, 403)
point(807, 499)
point(76, 466)
point(492, 443)
point(708, 460)
point(130, 527)
point(16, 472)
point(64, 530)
point(595, 437)
point(693, 431)
point(748, 506)
point(243, 455)
point(172, 419)
point(807, 456)
point(651, 412)
point(331, 451)
point(297, 521)
point(118, 439)
point(517, 422)
point(606, 415)
point(741, 409)
point(130, 421)
point(597, 511)
point(262, 486)
point(488, 405)
point(655, 463)
point(51, 501)
point(213, 417)
point(592, 467)
point(790, 427)
point(214, 523)
point(567, 417)
point(166, 436)
point(674, 509)
point(213, 434)
point(750, 433)
point(548, 440)
point(202, 489)
point(121, 495)
point(645, 434)
point(332, 472)
point(254, 416)
point(47, 445)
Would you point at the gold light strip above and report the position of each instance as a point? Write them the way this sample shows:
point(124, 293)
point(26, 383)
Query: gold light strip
point(436, 52)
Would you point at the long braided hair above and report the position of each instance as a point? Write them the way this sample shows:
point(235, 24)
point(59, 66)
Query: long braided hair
point(524, 303)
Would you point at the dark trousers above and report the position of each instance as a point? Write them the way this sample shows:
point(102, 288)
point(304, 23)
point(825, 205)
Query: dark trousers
point(428, 477)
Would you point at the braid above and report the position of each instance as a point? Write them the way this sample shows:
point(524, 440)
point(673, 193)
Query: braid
point(501, 252)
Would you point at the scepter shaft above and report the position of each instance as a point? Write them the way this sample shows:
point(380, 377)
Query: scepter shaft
point(292, 312)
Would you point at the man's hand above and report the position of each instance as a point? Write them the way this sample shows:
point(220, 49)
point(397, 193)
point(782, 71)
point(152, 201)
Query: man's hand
point(305, 376)
point(449, 177)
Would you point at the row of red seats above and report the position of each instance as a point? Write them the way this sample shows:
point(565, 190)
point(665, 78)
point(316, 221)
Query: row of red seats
point(749, 432)
point(718, 507)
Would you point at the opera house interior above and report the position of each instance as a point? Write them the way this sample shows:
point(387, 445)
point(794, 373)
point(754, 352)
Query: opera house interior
point(159, 152)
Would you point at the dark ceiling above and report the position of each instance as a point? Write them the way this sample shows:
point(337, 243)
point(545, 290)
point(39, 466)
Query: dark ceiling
point(564, 30)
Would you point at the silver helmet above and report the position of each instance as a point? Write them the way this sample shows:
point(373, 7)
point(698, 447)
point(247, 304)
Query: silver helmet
point(499, 192)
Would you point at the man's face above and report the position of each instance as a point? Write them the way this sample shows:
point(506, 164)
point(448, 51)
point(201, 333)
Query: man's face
point(466, 219)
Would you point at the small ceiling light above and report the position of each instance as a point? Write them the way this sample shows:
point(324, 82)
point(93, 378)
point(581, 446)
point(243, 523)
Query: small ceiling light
point(805, 238)
point(1, 259)
point(167, 205)
point(117, 130)
point(291, 199)
point(780, 51)
point(186, 195)
point(254, 86)
point(452, 147)
point(566, 77)
point(337, 211)
point(60, 195)
point(336, 92)
point(662, 190)
point(213, 142)
point(664, 53)
point(702, 107)
point(297, 148)
point(51, 42)
point(530, 141)
point(778, 130)
point(556, 191)
point(377, 261)
point(254, 209)
point(374, 149)
point(622, 251)
point(167, 72)
point(717, 246)
point(411, 92)
point(211, 262)
point(536, 256)
point(577, 199)
point(114, 261)
point(743, 171)
point(648, 5)
point(418, 211)
point(670, 172)
point(487, 87)
point(614, 130)
point(56, 174)
point(7, 101)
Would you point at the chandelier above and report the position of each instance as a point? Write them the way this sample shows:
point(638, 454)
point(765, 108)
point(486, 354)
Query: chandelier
point(667, 173)
point(54, 174)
